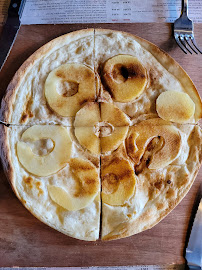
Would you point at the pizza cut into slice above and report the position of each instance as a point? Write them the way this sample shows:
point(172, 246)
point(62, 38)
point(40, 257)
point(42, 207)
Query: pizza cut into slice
point(141, 79)
point(101, 111)
point(54, 178)
point(163, 160)
point(54, 82)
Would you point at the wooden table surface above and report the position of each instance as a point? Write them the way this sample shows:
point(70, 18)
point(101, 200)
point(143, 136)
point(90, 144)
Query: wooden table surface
point(25, 241)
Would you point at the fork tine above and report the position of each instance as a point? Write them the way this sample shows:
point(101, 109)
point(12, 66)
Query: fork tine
point(187, 39)
point(181, 38)
point(180, 44)
point(195, 45)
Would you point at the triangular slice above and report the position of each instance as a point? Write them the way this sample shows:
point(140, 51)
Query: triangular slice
point(65, 193)
point(165, 159)
point(54, 82)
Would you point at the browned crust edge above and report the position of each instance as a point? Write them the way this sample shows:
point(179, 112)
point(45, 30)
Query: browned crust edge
point(169, 64)
point(9, 98)
point(5, 155)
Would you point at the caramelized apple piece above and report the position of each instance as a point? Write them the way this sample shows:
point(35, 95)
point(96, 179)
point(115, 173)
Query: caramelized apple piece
point(85, 173)
point(118, 181)
point(167, 148)
point(125, 77)
point(175, 106)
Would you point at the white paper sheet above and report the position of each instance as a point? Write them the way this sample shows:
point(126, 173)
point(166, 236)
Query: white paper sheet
point(105, 11)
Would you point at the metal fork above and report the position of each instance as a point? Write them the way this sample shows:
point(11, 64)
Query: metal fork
point(184, 31)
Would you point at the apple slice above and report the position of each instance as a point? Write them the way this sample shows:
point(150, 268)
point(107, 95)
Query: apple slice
point(118, 181)
point(88, 139)
point(88, 115)
point(88, 186)
point(68, 87)
point(113, 115)
point(112, 142)
point(67, 201)
point(175, 106)
point(100, 129)
point(125, 77)
point(160, 152)
point(46, 164)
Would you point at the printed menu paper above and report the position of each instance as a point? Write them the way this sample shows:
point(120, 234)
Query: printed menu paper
point(104, 11)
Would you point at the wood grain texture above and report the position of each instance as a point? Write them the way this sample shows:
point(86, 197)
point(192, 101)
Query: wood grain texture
point(25, 241)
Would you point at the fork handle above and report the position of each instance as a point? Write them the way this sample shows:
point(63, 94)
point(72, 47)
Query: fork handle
point(185, 7)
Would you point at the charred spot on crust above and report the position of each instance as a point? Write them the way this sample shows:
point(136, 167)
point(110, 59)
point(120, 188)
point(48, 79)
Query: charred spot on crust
point(160, 206)
point(158, 184)
point(24, 118)
point(27, 113)
point(169, 182)
point(170, 193)
point(38, 186)
point(28, 181)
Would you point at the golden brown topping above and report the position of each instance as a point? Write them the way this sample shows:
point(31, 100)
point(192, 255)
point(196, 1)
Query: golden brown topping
point(125, 77)
point(118, 182)
point(153, 143)
point(87, 188)
point(86, 176)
